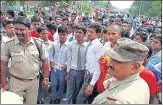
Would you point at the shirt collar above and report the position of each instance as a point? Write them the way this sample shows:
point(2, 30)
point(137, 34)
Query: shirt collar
point(129, 79)
point(95, 40)
point(76, 42)
point(58, 41)
point(17, 40)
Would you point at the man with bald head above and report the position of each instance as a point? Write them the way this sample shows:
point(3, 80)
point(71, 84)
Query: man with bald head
point(114, 33)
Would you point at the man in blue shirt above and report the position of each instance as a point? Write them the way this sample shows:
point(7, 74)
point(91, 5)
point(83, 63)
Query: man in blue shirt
point(156, 54)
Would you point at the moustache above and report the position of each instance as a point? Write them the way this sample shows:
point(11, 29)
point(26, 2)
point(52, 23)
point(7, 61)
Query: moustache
point(111, 68)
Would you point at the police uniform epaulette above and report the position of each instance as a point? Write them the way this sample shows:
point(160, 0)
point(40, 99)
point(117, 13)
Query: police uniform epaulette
point(9, 40)
point(38, 39)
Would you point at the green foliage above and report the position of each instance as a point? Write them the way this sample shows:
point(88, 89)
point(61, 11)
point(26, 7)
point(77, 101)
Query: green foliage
point(10, 2)
point(47, 3)
point(155, 10)
point(87, 7)
point(150, 8)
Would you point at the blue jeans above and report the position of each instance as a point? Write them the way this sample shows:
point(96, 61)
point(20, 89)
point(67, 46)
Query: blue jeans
point(76, 81)
point(57, 79)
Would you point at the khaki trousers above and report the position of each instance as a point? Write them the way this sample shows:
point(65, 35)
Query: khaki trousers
point(30, 88)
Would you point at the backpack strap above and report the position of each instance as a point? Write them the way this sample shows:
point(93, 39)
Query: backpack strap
point(38, 48)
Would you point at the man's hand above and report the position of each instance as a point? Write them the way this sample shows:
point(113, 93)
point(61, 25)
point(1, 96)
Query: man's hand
point(45, 83)
point(52, 64)
point(64, 66)
point(89, 90)
point(5, 87)
point(68, 77)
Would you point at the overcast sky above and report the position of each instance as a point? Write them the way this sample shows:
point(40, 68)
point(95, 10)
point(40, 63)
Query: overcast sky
point(122, 4)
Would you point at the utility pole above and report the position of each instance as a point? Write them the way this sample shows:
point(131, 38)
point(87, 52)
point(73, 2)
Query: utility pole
point(141, 2)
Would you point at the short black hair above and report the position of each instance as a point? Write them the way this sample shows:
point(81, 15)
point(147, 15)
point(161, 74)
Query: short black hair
point(65, 18)
point(125, 33)
point(143, 35)
point(124, 22)
point(35, 19)
point(51, 26)
point(21, 13)
point(7, 21)
point(57, 16)
point(22, 20)
point(153, 35)
point(142, 29)
point(149, 46)
point(40, 28)
point(96, 26)
point(105, 30)
point(11, 12)
point(81, 27)
point(62, 29)
point(73, 14)
point(100, 19)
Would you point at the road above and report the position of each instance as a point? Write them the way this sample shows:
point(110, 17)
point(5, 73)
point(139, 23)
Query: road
point(47, 98)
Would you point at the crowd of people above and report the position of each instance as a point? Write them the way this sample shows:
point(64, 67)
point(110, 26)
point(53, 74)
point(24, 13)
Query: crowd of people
point(110, 58)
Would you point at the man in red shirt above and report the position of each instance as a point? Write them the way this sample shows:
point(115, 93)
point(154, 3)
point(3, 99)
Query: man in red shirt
point(150, 79)
point(36, 21)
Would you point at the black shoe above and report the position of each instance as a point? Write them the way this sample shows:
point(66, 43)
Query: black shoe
point(53, 101)
point(40, 102)
point(58, 101)
point(73, 101)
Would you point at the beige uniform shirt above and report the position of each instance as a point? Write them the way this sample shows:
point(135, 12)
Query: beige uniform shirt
point(25, 62)
point(133, 90)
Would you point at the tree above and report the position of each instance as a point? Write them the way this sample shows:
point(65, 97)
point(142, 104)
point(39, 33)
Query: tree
point(155, 10)
point(149, 8)
point(87, 7)
point(47, 3)
point(10, 2)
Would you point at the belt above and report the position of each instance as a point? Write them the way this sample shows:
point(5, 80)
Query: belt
point(76, 70)
point(21, 79)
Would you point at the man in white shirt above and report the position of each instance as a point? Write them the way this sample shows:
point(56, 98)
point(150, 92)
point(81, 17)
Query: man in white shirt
point(94, 52)
point(58, 63)
point(75, 64)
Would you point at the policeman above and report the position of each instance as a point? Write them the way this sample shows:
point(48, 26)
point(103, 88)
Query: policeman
point(126, 59)
point(25, 62)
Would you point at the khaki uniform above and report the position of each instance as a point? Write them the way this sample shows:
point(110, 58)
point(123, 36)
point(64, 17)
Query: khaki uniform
point(25, 64)
point(132, 90)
